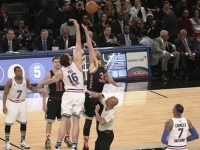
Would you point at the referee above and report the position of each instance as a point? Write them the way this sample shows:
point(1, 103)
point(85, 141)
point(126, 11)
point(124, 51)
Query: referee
point(106, 120)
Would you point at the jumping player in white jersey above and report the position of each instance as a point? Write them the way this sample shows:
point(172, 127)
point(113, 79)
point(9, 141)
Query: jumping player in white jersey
point(175, 133)
point(52, 107)
point(73, 97)
point(97, 77)
point(15, 105)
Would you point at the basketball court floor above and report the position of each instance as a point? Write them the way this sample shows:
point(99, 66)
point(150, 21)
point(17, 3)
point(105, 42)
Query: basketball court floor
point(143, 109)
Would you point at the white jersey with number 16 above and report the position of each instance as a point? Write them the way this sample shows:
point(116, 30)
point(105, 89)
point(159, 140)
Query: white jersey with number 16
point(73, 77)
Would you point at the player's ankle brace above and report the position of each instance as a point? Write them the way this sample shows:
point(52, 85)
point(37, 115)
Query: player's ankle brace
point(23, 127)
point(7, 128)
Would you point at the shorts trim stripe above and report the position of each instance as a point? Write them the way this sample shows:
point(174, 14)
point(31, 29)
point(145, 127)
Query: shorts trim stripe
point(21, 122)
point(49, 120)
point(87, 117)
point(9, 124)
point(66, 115)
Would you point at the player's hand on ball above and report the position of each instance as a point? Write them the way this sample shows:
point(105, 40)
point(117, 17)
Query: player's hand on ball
point(119, 84)
point(44, 108)
point(5, 110)
point(97, 108)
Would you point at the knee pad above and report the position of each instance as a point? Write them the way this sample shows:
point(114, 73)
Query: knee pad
point(7, 128)
point(87, 126)
point(23, 127)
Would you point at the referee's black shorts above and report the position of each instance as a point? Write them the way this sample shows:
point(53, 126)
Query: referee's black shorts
point(89, 106)
point(53, 109)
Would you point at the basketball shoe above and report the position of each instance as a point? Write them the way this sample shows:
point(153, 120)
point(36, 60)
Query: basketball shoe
point(57, 148)
point(48, 144)
point(24, 145)
point(68, 142)
point(8, 146)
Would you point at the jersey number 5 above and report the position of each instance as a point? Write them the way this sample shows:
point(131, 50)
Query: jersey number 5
point(73, 78)
point(181, 131)
point(19, 93)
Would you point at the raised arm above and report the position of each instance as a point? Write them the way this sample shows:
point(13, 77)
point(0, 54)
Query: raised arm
point(92, 55)
point(78, 50)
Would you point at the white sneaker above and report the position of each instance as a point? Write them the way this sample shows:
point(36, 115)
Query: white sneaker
point(24, 145)
point(57, 148)
point(8, 146)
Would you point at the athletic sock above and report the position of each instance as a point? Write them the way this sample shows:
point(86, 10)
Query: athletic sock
point(58, 144)
point(7, 138)
point(23, 136)
point(74, 145)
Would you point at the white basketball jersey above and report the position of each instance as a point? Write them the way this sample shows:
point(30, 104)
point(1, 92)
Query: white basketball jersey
point(72, 77)
point(178, 135)
point(17, 91)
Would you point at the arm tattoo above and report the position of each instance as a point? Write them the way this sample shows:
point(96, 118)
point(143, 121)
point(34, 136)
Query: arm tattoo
point(168, 125)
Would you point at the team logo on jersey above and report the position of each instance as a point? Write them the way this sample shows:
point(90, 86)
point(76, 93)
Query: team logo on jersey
point(23, 85)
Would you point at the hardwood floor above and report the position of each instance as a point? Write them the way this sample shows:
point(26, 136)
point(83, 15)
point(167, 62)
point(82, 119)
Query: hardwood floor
point(140, 118)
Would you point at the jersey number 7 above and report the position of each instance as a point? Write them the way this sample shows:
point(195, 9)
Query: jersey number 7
point(181, 131)
point(20, 92)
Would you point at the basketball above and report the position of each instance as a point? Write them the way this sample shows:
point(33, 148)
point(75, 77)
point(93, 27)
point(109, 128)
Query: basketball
point(91, 7)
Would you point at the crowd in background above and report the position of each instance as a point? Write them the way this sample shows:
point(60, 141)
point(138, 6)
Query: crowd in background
point(116, 23)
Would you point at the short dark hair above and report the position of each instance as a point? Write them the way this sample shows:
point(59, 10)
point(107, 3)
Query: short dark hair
point(55, 58)
point(180, 108)
point(64, 60)
point(43, 30)
point(9, 29)
point(106, 26)
point(17, 67)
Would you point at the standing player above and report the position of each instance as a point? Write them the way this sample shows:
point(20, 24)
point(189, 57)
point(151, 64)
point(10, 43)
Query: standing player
point(175, 133)
point(73, 97)
point(97, 77)
point(53, 107)
point(15, 105)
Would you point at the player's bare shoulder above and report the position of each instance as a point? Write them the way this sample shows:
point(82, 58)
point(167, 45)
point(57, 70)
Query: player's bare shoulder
point(8, 83)
point(169, 125)
point(189, 123)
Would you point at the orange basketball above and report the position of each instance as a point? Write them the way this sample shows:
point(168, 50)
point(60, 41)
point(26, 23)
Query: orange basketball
point(91, 7)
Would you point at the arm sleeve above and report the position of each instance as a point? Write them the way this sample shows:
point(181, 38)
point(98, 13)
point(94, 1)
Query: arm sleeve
point(164, 136)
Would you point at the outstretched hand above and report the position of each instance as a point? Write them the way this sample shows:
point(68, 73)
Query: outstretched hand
point(85, 28)
point(74, 21)
point(39, 85)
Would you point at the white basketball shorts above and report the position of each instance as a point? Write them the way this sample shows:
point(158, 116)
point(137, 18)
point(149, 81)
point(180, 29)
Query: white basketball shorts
point(72, 104)
point(16, 112)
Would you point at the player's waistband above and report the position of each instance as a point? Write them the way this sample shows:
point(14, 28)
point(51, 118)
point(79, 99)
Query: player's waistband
point(106, 131)
point(58, 98)
point(177, 147)
point(90, 91)
point(16, 101)
point(75, 90)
